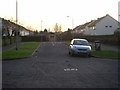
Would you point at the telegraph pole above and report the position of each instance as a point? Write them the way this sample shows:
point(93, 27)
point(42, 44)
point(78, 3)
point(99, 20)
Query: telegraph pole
point(41, 25)
point(72, 21)
point(16, 28)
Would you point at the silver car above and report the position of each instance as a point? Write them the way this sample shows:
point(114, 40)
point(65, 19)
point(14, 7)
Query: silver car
point(80, 47)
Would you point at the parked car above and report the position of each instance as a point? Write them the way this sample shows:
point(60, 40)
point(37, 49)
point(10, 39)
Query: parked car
point(80, 47)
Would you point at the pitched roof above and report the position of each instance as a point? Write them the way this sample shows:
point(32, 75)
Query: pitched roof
point(83, 25)
point(96, 21)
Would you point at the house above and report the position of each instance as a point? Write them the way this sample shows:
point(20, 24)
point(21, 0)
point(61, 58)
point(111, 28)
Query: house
point(119, 11)
point(105, 25)
point(26, 32)
point(8, 27)
point(0, 26)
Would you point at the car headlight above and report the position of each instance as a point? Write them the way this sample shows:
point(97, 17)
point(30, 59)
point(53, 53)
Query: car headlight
point(73, 47)
point(89, 49)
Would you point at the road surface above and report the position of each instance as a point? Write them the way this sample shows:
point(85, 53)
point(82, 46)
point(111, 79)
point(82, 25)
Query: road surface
point(52, 67)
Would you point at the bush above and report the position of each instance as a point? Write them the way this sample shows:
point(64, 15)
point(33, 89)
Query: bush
point(105, 39)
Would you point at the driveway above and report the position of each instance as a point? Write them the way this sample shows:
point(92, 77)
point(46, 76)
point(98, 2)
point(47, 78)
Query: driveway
point(52, 67)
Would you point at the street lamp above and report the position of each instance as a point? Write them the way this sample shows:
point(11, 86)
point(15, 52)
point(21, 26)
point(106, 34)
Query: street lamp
point(72, 24)
point(41, 25)
point(41, 30)
point(16, 29)
point(72, 21)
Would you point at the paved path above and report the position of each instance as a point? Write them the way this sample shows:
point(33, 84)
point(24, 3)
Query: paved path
point(8, 47)
point(108, 47)
point(52, 67)
point(12, 46)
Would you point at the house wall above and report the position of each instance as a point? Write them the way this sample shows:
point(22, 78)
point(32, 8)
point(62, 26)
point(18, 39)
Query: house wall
point(119, 11)
point(90, 31)
point(106, 26)
point(0, 26)
point(24, 33)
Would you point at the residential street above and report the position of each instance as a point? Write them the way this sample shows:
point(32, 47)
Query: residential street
point(52, 67)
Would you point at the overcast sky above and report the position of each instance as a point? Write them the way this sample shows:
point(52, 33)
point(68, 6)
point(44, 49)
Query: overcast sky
point(31, 12)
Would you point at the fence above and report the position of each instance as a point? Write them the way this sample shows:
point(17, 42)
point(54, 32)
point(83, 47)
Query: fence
point(34, 38)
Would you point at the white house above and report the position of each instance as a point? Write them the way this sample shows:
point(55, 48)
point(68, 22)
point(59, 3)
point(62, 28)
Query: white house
point(119, 11)
point(105, 25)
point(25, 32)
point(0, 26)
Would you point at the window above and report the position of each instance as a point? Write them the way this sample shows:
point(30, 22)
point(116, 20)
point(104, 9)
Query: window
point(106, 26)
point(94, 28)
point(80, 42)
point(110, 26)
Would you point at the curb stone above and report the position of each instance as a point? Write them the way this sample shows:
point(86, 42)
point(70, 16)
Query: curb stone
point(104, 57)
point(35, 50)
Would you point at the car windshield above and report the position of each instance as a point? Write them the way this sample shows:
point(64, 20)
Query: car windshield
point(80, 42)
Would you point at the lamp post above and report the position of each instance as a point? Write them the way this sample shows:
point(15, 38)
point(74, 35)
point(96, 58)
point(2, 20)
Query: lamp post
point(16, 29)
point(41, 25)
point(41, 30)
point(72, 21)
point(72, 24)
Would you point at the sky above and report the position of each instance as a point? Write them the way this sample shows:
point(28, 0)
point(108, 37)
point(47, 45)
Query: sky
point(47, 13)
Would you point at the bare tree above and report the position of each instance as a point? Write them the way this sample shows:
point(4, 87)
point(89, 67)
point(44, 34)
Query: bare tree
point(59, 28)
point(56, 27)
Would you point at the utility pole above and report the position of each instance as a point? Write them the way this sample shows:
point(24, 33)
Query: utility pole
point(72, 24)
point(72, 21)
point(41, 25)
point(41, 30)
point(16, 28)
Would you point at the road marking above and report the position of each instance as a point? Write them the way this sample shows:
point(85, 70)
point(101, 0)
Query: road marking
point(35, 50)
point(53, 44)
point(70, 69)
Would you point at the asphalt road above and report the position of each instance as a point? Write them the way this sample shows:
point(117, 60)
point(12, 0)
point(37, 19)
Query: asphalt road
point(52, 67)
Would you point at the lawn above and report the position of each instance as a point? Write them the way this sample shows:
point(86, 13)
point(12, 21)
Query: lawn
point(67, 42)
point(106, 54)
point(0, 55)
point(25, 50)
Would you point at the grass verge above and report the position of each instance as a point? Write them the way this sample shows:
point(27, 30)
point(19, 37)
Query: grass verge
point(106, 54)
point(25, 50)
point(0, 55)
point(67, 43)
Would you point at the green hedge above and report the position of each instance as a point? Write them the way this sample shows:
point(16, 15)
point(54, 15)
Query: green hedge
point(105, 39)
point(34, 38)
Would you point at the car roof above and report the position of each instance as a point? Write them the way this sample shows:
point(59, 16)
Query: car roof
point(79, 39)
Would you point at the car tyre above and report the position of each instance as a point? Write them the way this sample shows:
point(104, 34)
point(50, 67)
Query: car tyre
point(71, 54)
point(88, 55)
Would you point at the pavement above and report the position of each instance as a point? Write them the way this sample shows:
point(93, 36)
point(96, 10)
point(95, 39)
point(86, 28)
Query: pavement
point(52, 67)
point(12, 46)
point(108, 47)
